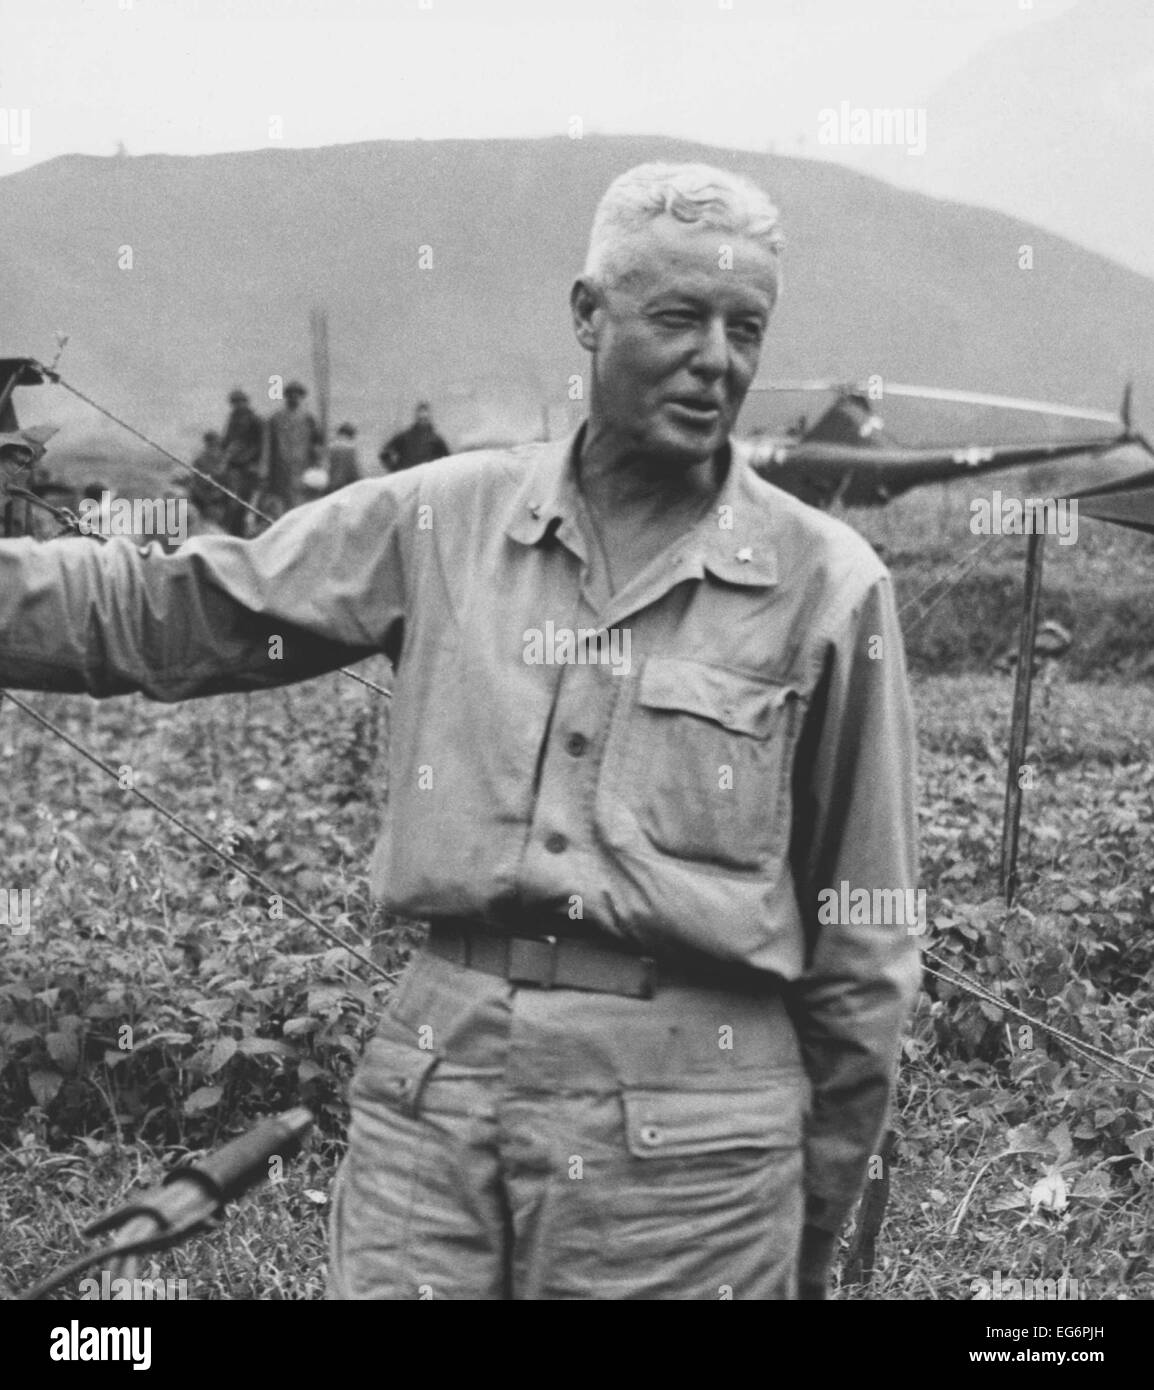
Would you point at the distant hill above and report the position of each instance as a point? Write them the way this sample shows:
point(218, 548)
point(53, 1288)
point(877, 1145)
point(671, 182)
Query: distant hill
point(1055, 122)
point(230, 252)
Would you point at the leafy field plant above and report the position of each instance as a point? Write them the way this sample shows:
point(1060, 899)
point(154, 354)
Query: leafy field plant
point(1016, 1155)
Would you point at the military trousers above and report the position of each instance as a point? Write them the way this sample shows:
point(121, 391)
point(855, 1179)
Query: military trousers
point(523, 1143)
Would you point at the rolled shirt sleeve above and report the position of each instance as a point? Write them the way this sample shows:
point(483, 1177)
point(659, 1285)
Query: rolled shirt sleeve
point(856, 829)
point(322, 588)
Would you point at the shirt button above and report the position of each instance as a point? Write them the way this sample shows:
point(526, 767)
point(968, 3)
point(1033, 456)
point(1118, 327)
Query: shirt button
point(650, 1135)
point(556, 844)
point(576, 744)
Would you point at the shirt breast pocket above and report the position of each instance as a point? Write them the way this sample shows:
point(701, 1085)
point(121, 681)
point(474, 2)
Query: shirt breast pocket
point(698, 764)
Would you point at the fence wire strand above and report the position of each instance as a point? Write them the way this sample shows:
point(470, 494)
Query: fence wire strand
point(191, 830)
point(205, 477)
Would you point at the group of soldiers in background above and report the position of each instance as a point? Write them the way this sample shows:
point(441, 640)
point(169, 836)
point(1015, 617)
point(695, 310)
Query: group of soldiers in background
point(275, 464)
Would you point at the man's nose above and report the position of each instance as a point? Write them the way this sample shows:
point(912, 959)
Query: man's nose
point(712, 355)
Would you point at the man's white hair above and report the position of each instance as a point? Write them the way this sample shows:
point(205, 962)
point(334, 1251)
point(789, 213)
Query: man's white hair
point(688, 192)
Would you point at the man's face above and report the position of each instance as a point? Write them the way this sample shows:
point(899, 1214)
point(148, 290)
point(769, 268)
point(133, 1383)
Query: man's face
point(676, 338)
point(423, 415)
point(292, 399)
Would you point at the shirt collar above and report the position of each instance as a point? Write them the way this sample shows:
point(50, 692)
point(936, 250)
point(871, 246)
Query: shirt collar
point(540, 500)
point(732, 541)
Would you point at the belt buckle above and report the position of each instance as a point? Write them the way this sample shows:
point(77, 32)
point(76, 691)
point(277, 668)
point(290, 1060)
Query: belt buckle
point(533, 961)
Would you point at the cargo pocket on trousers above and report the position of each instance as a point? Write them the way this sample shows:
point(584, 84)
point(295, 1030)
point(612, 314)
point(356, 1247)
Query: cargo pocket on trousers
point(393, 1074)
point(689, 1124)
point(385, 1175)
point(711, 1183)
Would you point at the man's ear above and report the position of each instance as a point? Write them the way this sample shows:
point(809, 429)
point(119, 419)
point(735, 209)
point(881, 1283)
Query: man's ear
point(585, 303)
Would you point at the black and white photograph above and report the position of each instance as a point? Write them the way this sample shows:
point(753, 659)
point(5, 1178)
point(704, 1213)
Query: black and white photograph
point(576, 663)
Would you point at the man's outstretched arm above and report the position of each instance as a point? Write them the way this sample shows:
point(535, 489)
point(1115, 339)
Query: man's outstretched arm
point(321, 589)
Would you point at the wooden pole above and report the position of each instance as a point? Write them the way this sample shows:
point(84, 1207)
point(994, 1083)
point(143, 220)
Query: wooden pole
point(8, 420)
point(1020, 722)
point(319, 332)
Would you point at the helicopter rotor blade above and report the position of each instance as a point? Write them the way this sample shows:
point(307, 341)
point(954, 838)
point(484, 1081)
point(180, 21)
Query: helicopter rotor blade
point(815, 385)
point(941, 393)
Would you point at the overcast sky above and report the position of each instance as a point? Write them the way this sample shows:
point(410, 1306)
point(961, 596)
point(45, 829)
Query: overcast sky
point(201, 76)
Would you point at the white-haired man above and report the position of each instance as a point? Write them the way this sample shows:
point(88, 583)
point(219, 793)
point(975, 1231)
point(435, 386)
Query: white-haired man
point(650, 720)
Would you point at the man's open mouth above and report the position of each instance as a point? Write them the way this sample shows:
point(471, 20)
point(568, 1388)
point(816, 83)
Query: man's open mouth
point(698, 409)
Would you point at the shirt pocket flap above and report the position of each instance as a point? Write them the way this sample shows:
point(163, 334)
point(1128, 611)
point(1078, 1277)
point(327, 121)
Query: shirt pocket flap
point(740, 703)
point(394, 1073)
point(679, 1124)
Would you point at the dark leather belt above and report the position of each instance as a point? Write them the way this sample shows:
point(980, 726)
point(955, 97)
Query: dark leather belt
point(566, 961)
